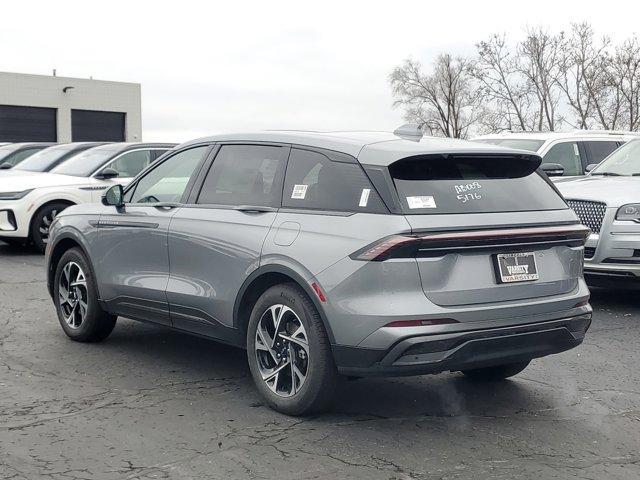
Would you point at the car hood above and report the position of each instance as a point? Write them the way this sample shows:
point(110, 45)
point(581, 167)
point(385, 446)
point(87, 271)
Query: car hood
point(614, 191)
point(18, 183)
point(16, 173)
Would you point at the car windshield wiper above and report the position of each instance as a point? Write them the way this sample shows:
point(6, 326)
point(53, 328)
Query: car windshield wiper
point(635, 174)
point(607, 174)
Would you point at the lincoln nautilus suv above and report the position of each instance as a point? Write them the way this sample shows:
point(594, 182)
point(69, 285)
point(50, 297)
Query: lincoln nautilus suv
point(332, 254)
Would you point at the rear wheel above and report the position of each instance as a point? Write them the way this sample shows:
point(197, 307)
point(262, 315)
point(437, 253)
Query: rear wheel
point(499, 372)
point(289, 352)
point(76, 300)
point(41, 222)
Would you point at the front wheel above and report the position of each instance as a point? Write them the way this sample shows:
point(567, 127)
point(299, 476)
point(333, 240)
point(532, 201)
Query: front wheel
point(41, 223)
point(289, 352)
point(76, 300)
point(499, 372)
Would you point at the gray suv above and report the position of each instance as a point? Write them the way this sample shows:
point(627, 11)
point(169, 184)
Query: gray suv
point(328, 254)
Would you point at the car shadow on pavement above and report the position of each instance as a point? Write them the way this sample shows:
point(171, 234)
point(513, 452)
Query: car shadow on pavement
point(173, 357)
point(7, 250)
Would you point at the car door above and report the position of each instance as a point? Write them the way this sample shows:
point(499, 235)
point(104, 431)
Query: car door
point(216, 239)
point(133, 264)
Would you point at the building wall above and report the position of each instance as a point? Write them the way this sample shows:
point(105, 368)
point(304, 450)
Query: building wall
point(46, 91)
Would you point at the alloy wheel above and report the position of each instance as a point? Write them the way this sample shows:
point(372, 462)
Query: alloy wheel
point(73, 295)
point(45, 224)
point(282, 350)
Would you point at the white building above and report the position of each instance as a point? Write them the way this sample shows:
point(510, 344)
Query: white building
point(41, 108)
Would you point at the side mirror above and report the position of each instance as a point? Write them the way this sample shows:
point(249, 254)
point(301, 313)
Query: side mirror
point(590, 167)
point(114, 196)
point(107, 173)
point(6, 166)
point(552, 169)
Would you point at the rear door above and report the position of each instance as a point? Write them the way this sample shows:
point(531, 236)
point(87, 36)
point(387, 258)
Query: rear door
point(216, 239)
point(133, 260)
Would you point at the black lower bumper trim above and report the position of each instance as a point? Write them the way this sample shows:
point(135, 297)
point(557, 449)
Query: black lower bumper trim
point(464, 350)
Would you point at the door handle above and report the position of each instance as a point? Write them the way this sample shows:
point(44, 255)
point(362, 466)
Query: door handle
point(166, 205)
point(255, 209)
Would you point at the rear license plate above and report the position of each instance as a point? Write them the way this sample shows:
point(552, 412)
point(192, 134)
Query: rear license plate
point(516, 267)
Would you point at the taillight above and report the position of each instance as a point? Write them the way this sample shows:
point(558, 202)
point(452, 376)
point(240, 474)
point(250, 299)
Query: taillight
point(421, 323)
point(408, 245)
point(384, 248)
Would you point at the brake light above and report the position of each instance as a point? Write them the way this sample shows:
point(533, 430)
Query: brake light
point(421, 323)
point(381, 250)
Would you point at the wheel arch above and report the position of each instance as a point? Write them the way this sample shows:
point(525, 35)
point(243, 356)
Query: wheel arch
point(259, 282)
point(64, 242)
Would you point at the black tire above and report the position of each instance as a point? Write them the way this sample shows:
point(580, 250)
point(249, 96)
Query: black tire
point(316, 391)
point(499, 372)
point(39, 231)
point(96, 324)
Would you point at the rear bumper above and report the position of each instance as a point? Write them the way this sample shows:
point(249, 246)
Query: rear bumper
point(425, 354)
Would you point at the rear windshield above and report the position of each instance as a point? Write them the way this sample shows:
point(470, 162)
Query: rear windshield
point(435, 184)
point(519, 143)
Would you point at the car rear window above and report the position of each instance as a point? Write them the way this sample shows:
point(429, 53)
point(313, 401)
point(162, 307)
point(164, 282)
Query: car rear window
point(437, 184)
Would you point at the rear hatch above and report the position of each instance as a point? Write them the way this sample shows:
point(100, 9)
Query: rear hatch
point(487, 228)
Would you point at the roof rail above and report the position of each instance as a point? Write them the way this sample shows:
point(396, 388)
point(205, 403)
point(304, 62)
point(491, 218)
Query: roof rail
point(409, 131)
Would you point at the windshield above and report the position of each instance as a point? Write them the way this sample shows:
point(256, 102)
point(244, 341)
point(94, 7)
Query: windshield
point(624, 161)
point(46, 159)
point(87, 162)
point(520, 143)
point(7, 150)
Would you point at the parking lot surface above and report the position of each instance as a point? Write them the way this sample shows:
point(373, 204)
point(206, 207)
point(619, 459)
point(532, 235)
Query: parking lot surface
point(154, 403)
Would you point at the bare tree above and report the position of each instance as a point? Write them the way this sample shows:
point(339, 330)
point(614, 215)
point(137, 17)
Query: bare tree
point(583, 75)
point(445, 102)
point(499, 74)
point(626, 80)
point(540, 63)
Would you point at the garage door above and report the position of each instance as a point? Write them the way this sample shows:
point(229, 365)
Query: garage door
point(95, 126)
point(27, 124)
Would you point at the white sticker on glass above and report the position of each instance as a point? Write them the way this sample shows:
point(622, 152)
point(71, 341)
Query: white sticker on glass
point(364, 197)
point(299, 192)
point(423, 201)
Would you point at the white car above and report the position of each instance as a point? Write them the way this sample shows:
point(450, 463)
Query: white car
point(30, 202)
point(608, 202)
point(567, 154)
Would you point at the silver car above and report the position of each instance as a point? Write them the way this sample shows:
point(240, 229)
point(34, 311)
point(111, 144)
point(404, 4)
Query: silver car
point(328, 254)
point(608, 202)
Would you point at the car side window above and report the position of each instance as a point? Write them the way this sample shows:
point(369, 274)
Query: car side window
point(168, 181)
point(566, 154)
point(598, 151)
point(245, 175)
point(314, 181)
point(130, 164)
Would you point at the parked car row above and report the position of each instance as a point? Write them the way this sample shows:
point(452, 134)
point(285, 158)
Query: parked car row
point(39, 187)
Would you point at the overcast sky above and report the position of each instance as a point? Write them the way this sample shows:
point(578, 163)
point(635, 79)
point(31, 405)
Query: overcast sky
point(208, 67)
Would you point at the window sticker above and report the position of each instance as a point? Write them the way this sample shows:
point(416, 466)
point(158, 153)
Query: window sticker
point(364, 197)
point(299, 192)
point(423, 201)
point(575, 149)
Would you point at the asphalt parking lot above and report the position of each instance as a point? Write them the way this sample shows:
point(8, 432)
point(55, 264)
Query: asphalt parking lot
point(153, 403)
